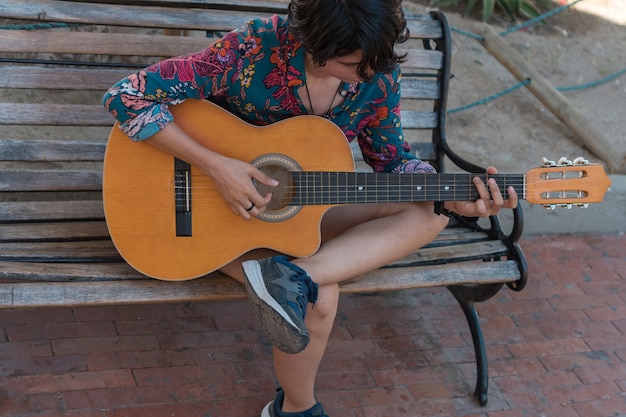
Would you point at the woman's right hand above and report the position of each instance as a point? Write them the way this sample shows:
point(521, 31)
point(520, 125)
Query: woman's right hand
point(234, 180)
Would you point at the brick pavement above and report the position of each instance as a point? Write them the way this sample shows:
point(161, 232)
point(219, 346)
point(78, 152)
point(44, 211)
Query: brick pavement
point(557, 349)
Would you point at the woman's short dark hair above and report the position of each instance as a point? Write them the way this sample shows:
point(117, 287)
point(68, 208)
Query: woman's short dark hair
point(332, 28)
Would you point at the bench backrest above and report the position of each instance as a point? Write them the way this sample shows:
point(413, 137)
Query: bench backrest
point(53, 128)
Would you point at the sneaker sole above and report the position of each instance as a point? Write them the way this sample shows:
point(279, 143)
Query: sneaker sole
point(282, 331)
point(266, 410)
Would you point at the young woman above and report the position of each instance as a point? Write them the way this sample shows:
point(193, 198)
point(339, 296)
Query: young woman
point(335, 59)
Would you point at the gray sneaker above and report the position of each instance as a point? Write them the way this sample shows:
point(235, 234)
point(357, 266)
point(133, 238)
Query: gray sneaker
point(274, 409)
point(280, 292)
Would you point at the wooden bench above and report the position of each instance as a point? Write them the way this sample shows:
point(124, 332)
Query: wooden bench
point(54, 246)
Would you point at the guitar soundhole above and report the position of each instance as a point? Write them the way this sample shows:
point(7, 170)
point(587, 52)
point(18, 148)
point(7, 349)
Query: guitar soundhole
point(278, 167)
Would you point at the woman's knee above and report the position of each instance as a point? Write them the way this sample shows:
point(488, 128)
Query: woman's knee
point(321, 315)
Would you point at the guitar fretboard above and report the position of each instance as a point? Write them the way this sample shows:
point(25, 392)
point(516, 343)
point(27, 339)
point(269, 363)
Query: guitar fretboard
point(315, 188)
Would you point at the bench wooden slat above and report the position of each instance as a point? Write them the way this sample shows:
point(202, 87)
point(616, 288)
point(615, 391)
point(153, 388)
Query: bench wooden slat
point(98, 250)
point(65, 78)
point(93, 43)
point(60, 78)
point(422, 59)
point(125, 15)
point(415, 89)
point(423, 27)
point(67, 272)
point(15, 211)
point(424, 151)
point(50, 180)
point(62, 150)
point(214, 287)
point(95, 115)
point(166, 17)
point(97, 230)
point(453, 253)
point(122, 292)
point(51, 150)
point(61, 231)
point(419, 119)
point(278, 6)
point(54, 114)
point(468, 273)
point(104, 250)
point(58, 254)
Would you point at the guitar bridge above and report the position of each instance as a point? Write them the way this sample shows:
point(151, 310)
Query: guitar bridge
point(182, 196)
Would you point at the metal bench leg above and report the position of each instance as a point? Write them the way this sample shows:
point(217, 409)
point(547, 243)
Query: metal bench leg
point(482, 374)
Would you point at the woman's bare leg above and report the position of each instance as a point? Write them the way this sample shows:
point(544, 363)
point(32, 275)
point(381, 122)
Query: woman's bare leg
point(356, 239)
point(361, 238)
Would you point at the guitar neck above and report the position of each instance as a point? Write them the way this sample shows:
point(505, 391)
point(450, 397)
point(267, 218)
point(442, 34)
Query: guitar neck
point(319, 188)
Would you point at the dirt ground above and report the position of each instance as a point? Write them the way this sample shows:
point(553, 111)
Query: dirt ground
point(515, 131)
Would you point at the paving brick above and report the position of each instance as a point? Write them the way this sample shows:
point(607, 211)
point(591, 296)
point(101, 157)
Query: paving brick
point(104, 344)
point(16, 403)
point(138, 359)
point(548, 347)
point(34, 365)
point(433, 408)
point(240, 407)
point(69, 381)
point(606, 343)
point(126, 312)
point(166, 325)
point(165, 410)
point(607, 370)
point(556, 349)
point(356, 379)
point(606, 313)
point(582, 393)
point(181, 340)
point(514, 366)
point(608, 406)
point(22, 316)
point(580, 360)
point(586, 301)
point(174, 375)
point(22, 350)
point(44, 330)
point(530, 381)
point(348, 398)
point(107, 398)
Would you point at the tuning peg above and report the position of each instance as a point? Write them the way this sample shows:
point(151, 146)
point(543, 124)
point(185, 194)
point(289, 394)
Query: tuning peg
point(582, 205)
point(564, 162)
point(566, 206)
point(547, 162)
point(549, 206)
point(581, 161)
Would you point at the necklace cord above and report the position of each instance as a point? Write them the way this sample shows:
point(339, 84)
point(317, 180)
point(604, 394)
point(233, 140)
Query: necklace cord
point(332, 100)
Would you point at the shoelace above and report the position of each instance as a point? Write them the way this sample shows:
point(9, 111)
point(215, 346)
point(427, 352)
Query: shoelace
point(307, 288)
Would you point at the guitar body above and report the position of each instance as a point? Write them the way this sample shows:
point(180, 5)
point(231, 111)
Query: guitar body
point(139, 193)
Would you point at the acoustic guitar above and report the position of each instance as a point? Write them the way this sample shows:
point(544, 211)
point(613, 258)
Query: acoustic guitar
point(168, 221)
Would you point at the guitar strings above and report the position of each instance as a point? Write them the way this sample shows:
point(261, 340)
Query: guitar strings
point(359, 190)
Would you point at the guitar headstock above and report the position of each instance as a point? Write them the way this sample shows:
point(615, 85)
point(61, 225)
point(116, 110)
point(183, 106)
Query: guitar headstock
point(566, 183)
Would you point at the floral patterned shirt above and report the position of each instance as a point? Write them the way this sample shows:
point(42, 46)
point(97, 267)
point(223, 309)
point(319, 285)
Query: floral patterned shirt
point(255, 72)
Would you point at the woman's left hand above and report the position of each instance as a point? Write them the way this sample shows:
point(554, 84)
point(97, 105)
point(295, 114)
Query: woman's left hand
point(490, 201)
